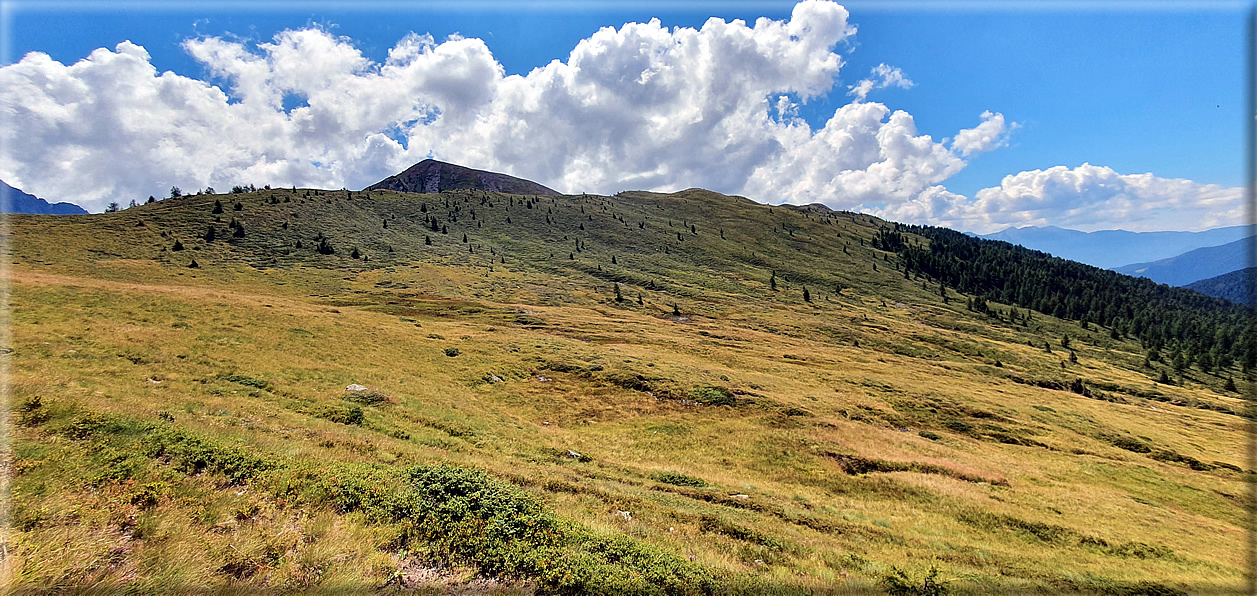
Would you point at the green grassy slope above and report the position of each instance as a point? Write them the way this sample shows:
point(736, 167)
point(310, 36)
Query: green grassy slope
point(182, 428)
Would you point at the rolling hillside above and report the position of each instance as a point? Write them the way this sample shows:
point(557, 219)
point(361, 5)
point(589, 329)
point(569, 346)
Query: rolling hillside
point(647, 393)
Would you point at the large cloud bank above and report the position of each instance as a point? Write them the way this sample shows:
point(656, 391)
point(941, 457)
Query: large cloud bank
point(641, 106)
point(638, 107)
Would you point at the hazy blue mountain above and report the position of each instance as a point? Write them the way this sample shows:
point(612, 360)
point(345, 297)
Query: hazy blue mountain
point(1194, 265)
point(1231, 286)
point(1110, 249)
point(13, 200)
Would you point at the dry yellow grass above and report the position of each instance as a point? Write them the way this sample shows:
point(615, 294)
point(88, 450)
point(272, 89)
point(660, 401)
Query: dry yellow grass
point(535, 378)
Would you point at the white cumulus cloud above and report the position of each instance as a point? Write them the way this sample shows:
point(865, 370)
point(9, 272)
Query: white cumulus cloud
point(641, 106)
point(883, 76)
point(1086, 198)
point(992, 133)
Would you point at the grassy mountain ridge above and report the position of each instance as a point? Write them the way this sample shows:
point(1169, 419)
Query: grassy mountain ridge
point(756, 440)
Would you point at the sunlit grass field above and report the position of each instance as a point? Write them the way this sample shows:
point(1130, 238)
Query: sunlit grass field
point(180, 429)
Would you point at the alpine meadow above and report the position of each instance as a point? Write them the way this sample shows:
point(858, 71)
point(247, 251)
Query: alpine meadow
point(627, 298)
point(685, 393)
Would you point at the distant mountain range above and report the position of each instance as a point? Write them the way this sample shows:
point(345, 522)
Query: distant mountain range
point(1113, 249)
point(13, 200)
point(1194, 265)
point(1231, 286)
point(431, 176)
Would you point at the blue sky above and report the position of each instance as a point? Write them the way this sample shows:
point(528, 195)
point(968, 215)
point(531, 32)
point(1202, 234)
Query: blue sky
point(1129, 90)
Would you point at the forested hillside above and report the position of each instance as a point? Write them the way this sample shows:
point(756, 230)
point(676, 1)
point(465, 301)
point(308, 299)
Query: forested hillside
point(1208, 332)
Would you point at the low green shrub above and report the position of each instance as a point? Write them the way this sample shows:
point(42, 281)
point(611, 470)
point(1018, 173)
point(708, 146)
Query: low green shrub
point(899, 583)
point(192, 454)
point(1130, 444)
point(679, 479)
point(248, 381)
point(31, 412)
point(366, 398)
point(711, 395)
point(351, 415)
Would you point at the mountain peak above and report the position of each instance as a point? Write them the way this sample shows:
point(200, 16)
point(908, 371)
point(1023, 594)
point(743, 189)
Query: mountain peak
point(431, 176)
